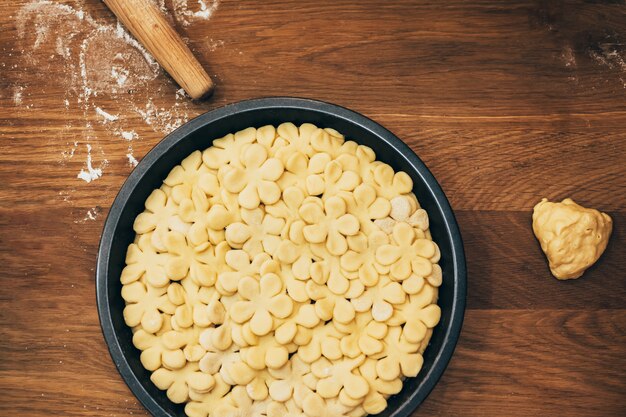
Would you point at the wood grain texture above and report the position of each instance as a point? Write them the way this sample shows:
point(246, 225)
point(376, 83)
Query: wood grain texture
point(506, 104)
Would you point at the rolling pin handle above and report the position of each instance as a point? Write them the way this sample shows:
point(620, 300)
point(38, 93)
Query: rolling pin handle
point(145, 21)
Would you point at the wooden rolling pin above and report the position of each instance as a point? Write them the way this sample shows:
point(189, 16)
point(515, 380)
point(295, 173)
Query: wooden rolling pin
point(146, 22)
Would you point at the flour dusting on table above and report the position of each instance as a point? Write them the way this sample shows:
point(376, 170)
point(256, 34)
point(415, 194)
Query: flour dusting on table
point(94, 61)
point(17, 95)
point(185, 14)
point(131, 158)
point(90, 173)
point(108, 117)
point(91, 215)
point(128, 135)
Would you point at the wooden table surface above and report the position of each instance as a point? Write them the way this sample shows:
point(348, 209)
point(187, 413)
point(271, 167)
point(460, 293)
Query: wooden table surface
point(506, 104)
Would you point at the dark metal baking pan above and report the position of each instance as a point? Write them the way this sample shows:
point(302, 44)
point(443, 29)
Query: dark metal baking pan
point(198, 134)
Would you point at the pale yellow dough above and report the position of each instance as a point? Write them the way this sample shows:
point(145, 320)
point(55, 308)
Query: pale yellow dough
point(572, 237)
point(283, 272)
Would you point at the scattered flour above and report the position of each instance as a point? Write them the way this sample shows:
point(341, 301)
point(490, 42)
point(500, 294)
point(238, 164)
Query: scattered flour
point(611, 55)
point(129, 135)
point(608, 54)
point(568, 58)
point(102, 66)
point(161, 119)
point(108, 117)
point(120, 75)
point(41, 36)
point(186, 14)
point(61, 49)
point(17, 95)
point(206, 12)
point(91, 174)
point(121, 33)
point(214, 44)
point(615, 57)
point(91, 215)
point(131, 159)
point(600, 59)
point(65, 195)
point(69, 153)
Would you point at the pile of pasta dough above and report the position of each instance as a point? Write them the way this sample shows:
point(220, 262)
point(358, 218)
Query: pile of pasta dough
point(282, 272)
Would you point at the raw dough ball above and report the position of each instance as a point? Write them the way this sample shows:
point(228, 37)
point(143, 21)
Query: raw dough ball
point(572, 237)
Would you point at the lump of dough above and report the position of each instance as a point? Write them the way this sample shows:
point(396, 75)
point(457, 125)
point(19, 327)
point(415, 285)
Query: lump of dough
point(572, 237)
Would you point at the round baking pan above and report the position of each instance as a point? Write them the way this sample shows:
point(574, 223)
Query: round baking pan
point(198, 134)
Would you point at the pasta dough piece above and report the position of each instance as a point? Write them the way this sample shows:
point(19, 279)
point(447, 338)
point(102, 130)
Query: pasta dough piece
point(325, 341)
point(155, 354)
point(202, 405)
point(380, 299)
point(145, 305)
point(572, 237)
point(259, 232)
point(241, 265)
point(362, 336)
point(338, 375)
point(361, 256)
point(419, 314)
point(329, 305)
point(316, 406)
point(366, 206)
point(219, 352)
point(407, 254)
point(240, 404)
point(185, 176)
point(400, 357)
point(194, 211)
point(404, 209)
point(185, 339)
point(261, 303)
point(256, 182)
point(294, 140)
point(193, 304)
point(330, 224)
point(200, 263)
point(287, 409)
point(227, 150)
point(180, 382)
point(266, 353)
point(157, 218)
point(289, 378)
point(142, 259)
